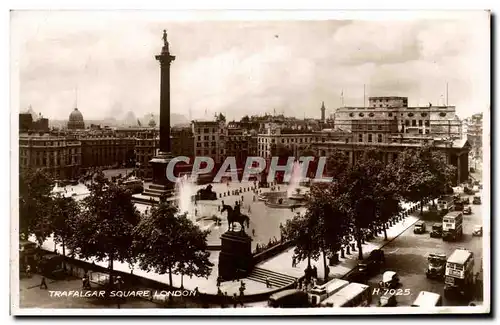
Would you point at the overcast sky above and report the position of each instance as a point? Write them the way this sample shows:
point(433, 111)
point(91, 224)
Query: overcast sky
point(250, 67)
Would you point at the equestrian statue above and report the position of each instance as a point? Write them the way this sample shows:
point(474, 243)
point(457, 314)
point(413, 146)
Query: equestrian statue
point(234, 215)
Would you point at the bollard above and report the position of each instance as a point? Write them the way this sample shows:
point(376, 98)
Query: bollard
point(348, 251)
point(353, 247)
point(342, 252)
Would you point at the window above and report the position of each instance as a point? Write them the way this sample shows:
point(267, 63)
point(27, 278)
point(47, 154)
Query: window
point(361, 114)
point(205, 130)
point(379, 127)
point(351, 114)
point(407, 122)
point(426, 131)
point(360, 138)
point(423, 114)
point(213, 137)
point(370, 139)
point(371, 115)
point(369, 127)
point(426, 123)
point(420, 123)
point(379, 138)
point(390, 114)
point(419, 131)
point(442, 114)
point(213, 151)
point(413, 122)
point(410, 114)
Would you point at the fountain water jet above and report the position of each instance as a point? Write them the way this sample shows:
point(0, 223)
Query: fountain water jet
point(185, 189)
point(295, 179)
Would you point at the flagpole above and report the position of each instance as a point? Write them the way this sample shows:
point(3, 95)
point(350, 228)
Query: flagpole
point(446, 93)
point(364, 95)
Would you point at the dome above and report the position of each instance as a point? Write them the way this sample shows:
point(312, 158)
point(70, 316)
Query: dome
point(76, 120)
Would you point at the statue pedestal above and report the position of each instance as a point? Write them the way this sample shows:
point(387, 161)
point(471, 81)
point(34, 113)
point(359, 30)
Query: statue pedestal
point(235, 257)
point(161, 185)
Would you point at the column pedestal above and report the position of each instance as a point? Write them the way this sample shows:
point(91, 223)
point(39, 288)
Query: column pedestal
point(161, 185)
point(235, 257)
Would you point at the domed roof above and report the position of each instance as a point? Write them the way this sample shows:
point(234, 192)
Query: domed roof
point(76, 116)
point(76, 120)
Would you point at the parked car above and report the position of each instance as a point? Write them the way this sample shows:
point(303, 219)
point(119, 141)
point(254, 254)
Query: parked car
point(390, 280)
point(465, 200)
point(437, 230)
point(387, 300)
point(419, 227)
point(467, 210)
point(373, 263)
point(478, 231)
point(476, 200)
point(468, 191)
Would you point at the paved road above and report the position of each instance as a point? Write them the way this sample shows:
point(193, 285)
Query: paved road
point(407, 255)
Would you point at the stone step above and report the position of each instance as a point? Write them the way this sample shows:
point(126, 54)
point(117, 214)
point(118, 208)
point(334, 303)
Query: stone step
point(275, 279)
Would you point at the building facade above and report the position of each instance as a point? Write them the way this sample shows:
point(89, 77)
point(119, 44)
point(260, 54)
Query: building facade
point(210, 139)
point(59, 155)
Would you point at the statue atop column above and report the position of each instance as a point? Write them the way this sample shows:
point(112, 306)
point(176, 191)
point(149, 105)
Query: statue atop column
point(165, 41)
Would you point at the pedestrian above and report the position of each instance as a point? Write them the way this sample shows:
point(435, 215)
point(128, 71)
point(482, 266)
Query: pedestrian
point(253, 232)
point(218, 281)
point(43, 283)
point(294, 262)
point(235, 301)
point(268, 282)
point(28, 271)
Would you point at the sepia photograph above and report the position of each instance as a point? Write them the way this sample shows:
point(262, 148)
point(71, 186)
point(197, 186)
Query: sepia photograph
point(250, 162)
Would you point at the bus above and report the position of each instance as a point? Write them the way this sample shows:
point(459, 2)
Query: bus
point(445, 203)
point(292, 298)
point(427, 299)
point(352, 295)
point(459, 273)
point(321, 292)
point(452, 226)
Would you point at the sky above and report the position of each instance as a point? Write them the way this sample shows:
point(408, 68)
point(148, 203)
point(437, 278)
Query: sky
point(239, 64)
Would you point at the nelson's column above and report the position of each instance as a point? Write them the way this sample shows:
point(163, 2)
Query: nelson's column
point(161, 185)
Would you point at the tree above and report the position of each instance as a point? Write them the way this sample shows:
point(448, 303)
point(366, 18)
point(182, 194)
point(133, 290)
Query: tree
point(355, 190)
point(331, 223)
point(337, 163)
point(65, 210)
point(104, 228)
point(167, 243)
point(194, 257)
point(35, 191)
point(423, 174)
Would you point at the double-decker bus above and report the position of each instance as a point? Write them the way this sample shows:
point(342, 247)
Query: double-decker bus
point(321, 292)
point(459, 272)
point(352, 295)
point(452, 225)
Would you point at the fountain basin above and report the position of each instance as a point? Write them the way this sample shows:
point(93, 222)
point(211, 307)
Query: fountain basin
point(281, 200)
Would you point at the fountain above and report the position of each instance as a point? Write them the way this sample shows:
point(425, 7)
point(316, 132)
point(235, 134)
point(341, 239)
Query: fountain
point(185, 190)
point(295, 180)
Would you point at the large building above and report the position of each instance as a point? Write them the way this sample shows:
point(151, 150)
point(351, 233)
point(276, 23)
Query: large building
point(391, 125)
point(58, 155)
point(210, 139)
point(474, 133)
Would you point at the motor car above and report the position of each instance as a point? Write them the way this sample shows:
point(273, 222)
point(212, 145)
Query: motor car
point(437, 230)
point(388, 300)
point(477, 231)
point(373, 263)
point(467, 210)
point(465, 200)
point(390, 280)
point(419, 227)
point(476, 200)
point(468, 191)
